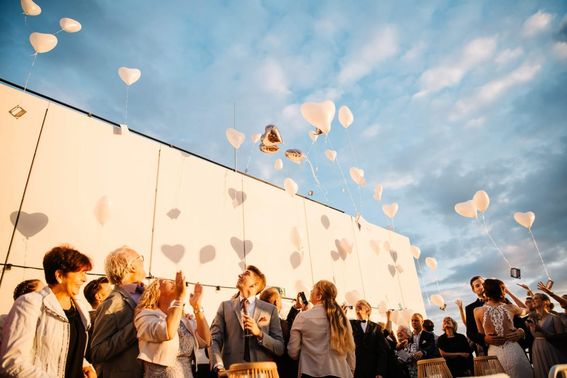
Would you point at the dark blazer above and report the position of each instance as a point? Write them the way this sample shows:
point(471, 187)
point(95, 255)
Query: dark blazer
point(427, 345)
point(227, 333)
point(371, 350)
point(114, 347)
point(287, 367)
point(472, 330)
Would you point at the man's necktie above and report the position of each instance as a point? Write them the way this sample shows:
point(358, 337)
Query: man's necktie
point(246, 332)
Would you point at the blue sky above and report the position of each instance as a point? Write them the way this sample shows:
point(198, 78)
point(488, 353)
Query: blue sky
point(448, 98)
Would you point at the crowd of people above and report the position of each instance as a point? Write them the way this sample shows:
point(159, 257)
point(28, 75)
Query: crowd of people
point(135, 330)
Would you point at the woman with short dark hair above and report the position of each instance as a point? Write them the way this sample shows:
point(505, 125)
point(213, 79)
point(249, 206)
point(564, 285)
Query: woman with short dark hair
point(47, 329)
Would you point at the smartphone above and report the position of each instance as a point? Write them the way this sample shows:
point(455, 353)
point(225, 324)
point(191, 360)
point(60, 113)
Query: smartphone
point(515, 273)
point(303, 298)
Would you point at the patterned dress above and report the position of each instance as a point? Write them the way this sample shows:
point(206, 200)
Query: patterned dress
point(510, 354)
point(182, 366)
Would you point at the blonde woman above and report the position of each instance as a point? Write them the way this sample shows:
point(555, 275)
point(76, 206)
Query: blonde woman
point(166, 338)
point(322, 337)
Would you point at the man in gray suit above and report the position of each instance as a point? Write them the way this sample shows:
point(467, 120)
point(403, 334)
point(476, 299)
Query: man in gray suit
point(114, 347)
point(246, 329)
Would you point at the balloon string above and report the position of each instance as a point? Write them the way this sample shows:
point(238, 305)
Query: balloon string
point(126, 107)
point(493, 242)
point(356, 160)
point(330, 143)
point(30, 72)
point(58, 31)
point(319, 186)
point(539, 253)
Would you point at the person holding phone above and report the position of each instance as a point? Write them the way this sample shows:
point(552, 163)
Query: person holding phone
point(321, 338)
point(543, 324)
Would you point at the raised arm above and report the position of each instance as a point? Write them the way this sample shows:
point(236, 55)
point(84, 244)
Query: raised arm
point(203, 330)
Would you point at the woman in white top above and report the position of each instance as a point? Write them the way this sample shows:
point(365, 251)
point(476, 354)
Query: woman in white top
point(496, 318)
point(322, 337)
point(166, 337)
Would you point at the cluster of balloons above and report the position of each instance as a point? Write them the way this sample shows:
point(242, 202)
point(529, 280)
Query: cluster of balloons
point(45, 42)
point(470, 208)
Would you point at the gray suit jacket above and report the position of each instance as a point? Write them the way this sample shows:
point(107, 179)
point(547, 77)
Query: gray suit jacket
point(227, 334)
point(114, 347)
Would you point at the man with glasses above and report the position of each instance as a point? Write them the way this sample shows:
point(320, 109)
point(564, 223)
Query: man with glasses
point(114, 347)
point(246, 329)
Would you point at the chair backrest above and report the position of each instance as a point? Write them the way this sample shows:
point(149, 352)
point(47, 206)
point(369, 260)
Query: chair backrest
point(558, 371)
point(433, 368)
point(253, 370)
point(487, 365)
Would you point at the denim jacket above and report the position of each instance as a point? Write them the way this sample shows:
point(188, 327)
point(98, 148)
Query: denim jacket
point(36, 335)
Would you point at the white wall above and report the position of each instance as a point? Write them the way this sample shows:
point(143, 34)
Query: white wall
point(178, 210)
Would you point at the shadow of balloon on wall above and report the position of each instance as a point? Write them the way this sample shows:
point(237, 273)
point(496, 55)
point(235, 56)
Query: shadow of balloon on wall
point(207, 254)
point(295, 259)
point(29, 224)
point(238, 197)
point(173, 252)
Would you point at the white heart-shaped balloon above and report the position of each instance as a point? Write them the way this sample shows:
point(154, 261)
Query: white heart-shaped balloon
point(30, 8)
point(129, 75)
point(278, 164)
point(438, 300)
point(331, 154)
point(466, 209)
point(235, 137)
point(525, 219)
point(69, 25)
point(415, 251)
point(290, 186)
point(345, 116)
point(319, 114)
point(42, 42)
point(481, 200)
point(357, 175)
point(431, 263)
point(390, 209)
point(378, 192)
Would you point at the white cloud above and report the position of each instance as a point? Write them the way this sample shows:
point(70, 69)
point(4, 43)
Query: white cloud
point(272, 77)
point(560, 50)
point(399, 181)
point(509, 55)
point(362, 60)
point(476, 122)
point(372, 131)
point(414, 52)
point(493, 90)
point(450, 74)
point(536, 23)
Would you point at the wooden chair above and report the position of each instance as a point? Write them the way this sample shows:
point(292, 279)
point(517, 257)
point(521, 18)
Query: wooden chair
point(433, 368)
point(253, 370)
point(487, 365)
point(558, 371)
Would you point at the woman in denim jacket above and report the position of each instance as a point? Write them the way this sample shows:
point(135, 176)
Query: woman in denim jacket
point(45, 334)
